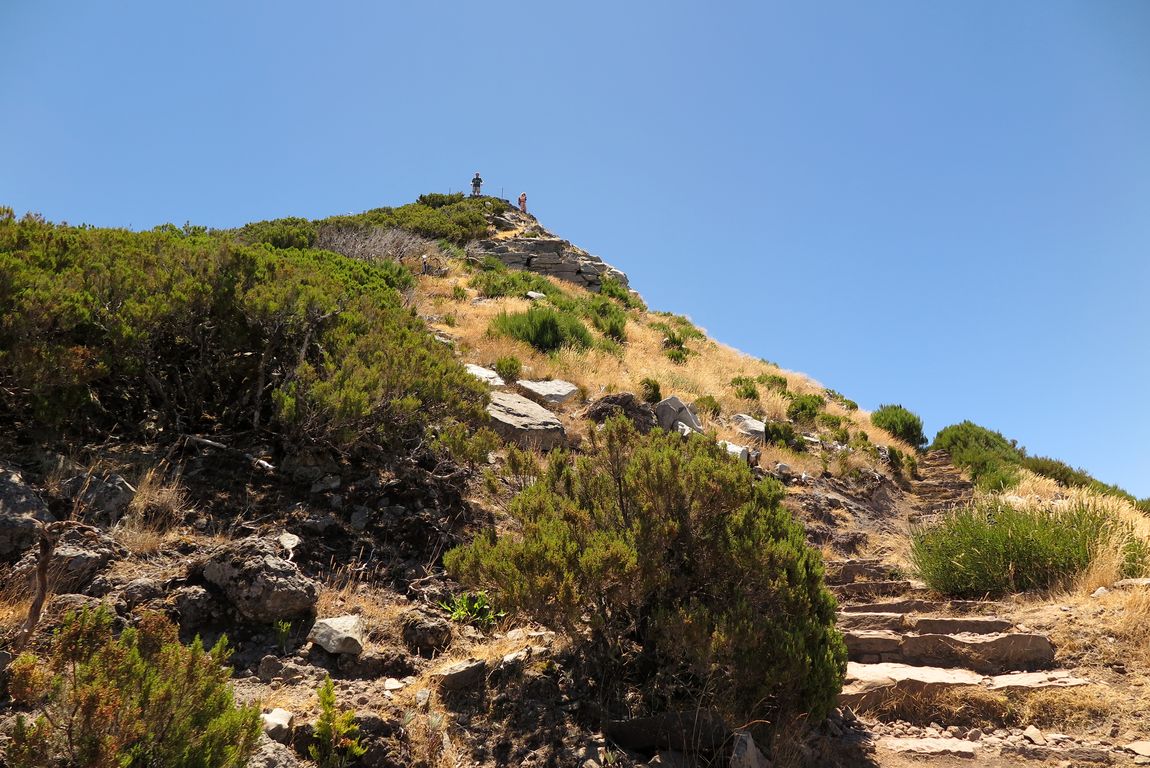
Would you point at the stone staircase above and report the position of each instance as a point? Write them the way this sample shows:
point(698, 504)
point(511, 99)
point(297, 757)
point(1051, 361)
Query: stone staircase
point(911, 645)
point(940, 486)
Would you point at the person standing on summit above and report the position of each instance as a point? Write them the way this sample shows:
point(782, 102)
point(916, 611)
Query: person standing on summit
point(523, 202)
point(476, 183)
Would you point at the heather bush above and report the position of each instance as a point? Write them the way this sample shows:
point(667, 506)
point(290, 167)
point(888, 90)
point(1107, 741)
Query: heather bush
point(493, 283)
point(139, 700)
point(774, 381)
point(803, 409)
point(607, 317)
point(613, 289)
point(901, 423)
point(694, 582)
point(508, 368)
point(708, 405)
point(989, 457)
point(545, 329)
point(650, 391)
point(745, 388)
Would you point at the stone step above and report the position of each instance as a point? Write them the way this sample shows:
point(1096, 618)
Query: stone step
point(988, 654)
point(876, 588)
point(896, 621)
point(848, 571)
point(869, 685)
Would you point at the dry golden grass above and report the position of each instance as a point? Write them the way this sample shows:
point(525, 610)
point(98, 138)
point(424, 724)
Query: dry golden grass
point(151, 521)
point(348, 590)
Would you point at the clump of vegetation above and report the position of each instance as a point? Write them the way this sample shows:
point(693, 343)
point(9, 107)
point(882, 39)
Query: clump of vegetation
point(775, 381)
point(838, 397)
point(509, 368)
point(607, 317)
point(901, 423)
point(829, 421)
point(140, 700)
point(708, 405)
point(613, 289)
point(745, 388)
point(780, 433)
point(336, 733)
point(544, 329)
point(103, 329)
point(698, 585)
point(990, 458)
point(650, 391)
point(804, 409)
point(446, 217)
point(677, 331)
point(495, 280)
point(473, 608)
point(675, 348)
point(459, 293)
point(992, 548)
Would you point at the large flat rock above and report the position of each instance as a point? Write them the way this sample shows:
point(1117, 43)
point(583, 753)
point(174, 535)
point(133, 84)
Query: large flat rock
point(949, 625)
point(988, 654)
point(1054, 678)
point(517, 419)
point(870, 684)
point(553, 391)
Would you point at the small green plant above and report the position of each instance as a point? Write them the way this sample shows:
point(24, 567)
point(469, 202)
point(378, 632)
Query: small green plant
point(829, 421)
point(612, 288)
point(473, 608)
point(450, 320)
point(544, 329)
point(336, 733)
point(709, 405)
point(459, 293)
point(774, 381)
point(781, 434)
point(139, 700)
point(508, 368)
point(803, 409)
point(745, 388)
point(650, 391)
point(677, 355)
point(901, 423)
point(283, 635)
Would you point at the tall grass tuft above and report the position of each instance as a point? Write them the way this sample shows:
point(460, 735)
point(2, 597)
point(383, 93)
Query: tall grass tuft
point(992, 548)
point(544, 329)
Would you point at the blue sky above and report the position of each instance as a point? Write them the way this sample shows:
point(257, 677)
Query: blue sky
point(944, 205)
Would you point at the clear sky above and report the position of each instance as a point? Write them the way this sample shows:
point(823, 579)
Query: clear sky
point(939, 204)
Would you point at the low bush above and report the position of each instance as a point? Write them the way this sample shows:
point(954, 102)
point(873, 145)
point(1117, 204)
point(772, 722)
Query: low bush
point(992, 548)
point(337, 741)
point(607, 317)
point(140, 700)
point(435, 218)
point(695, 584)
point(841, 399)
point(780, 433)
point(804, 409)
point(544, 328)
point(613, 289)
point(676, 355)
point(473, 608)
point(508, 368)
point(990, 458)
point(745, 388)
point(775, 381)
point(494, 283)
point(708, 405)
point(650, 391)
point(829, 421)
point(901, 423)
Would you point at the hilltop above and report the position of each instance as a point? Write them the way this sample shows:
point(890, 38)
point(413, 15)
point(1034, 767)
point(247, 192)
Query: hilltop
point(454, 463)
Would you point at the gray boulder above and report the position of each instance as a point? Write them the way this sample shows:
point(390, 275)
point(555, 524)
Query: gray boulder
point(741, 452)
point(258, 583)
point(486, 375)
point(554, 391)
point(20, 508)
point(101, 498)
point(78, 557)
point(517, 419)
point(745, 753)
point(641, 414)
point(749, 426)
point(341, 634)
point(278, 724)
point(424, 634)
point(272, 754)
point(461, 675)
point(672, 410)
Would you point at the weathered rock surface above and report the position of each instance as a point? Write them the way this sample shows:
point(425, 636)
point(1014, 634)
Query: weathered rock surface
point(486, 375)
point(517, 419)
point(101, 498)
point(989, 654)
point(930, 746)
point(672, 411)
point(745, 753)
point(950, 625)
point(340, 634)
point(894, 622)
point(641, 414)
point(259, 584)
point(1055, 678)
point(554, 391)
point(425, 634)
point(278, 724)
point(741, 452)
point(20, 508)
point(749, 426)
point(550, 255)
point(461, 675)
point(870, 684)
point(272, 754)
point(78, 557)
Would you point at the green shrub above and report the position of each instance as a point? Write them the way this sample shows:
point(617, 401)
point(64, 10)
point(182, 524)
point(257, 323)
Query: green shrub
point(901, 423)
point(493, 283)
point(439, 199)
point(676, 355)
point(804, 409)
point(709, 405)
point(473, 608)
point(336, 733)
point(508, 368)
point(696, 583)
point(280, 233)
point(990, 458)
point(140, 700)
point(459, 293)
point(455, 222)
point(650, 391)
point(773, 381)
point(613, 289)
point(607, 317)
point(992, 548)
point(829, 421)
point(745, 388)
point(780, 433)
point(544, 329)
point(677, 324)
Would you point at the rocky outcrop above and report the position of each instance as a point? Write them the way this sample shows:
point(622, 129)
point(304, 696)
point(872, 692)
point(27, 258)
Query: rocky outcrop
point(554, 391)
point(519, 420)
point(641, 414)
point(550, 255)
point(20, 508)
point(260, 585)
point(673, 411)
point(79, 556)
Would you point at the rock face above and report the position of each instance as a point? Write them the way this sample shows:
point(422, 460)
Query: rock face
point(550, 255)
point(424, 634)
point(20, 508)
point(79, 556)
point(258, 583)
point(554, 391)
point(641, 414)
point(102, 499)
point(486, 375)
point(517, 419)
point(460, 675)
point(341, 634)
point(750, 427)
point(672, 411)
